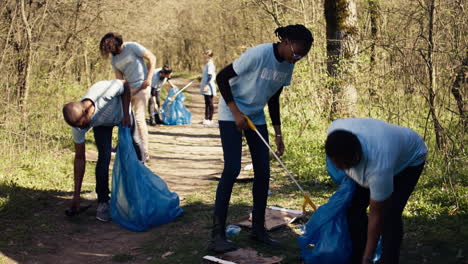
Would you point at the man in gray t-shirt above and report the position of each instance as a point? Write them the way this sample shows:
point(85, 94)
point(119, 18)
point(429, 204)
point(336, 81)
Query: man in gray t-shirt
point(105, 105)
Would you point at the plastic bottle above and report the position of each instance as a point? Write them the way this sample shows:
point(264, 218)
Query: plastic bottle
point(232, 230)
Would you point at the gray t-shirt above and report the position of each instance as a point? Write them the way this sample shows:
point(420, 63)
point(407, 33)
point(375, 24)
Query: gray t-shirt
point(387, 150)
point(131, 63)
point(106, 96)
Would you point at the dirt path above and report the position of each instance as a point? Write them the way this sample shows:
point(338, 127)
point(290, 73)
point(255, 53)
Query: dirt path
point(186, 157)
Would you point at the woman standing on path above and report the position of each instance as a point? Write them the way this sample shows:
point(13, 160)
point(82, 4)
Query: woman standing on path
point(254, 79)
point(128, 62)
point(207, 87)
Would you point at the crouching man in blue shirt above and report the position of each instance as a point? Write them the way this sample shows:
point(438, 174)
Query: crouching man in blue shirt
point(385, 161)
point(105, 105)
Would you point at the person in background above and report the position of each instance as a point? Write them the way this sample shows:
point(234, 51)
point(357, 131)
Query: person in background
point(385, 161)
point(128, 62)
point(253, 80)
point(208, 87)
point(160, 77)
point(105, 105)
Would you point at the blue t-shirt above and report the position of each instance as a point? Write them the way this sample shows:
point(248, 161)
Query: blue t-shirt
point(156, 82)
point(106, 96)
point(131, 63)
point(387, 150)
point(209, 69)
point(260, 76)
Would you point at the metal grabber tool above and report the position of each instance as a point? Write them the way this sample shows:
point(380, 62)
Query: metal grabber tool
point(307, 200)
point(172, 98)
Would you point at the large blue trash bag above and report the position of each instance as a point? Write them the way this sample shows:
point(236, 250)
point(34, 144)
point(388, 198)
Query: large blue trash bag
point(328, 227)
point(174, 112)
point(140, 199)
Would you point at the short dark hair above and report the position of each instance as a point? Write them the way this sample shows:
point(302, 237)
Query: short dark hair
point(110, 41)
point(298, 33)
point(344, 146)
point(166, 69)
point(71, 113)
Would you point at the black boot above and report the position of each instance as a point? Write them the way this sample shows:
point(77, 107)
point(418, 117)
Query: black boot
point(151, 121)
point(219, 243)
point(158, 119)
point(260, 234)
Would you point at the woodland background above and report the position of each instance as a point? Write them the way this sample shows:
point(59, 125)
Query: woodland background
point(405, 62)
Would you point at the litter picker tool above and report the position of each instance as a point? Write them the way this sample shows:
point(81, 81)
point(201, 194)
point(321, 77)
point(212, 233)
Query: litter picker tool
point(307, 199)
point(172, 98)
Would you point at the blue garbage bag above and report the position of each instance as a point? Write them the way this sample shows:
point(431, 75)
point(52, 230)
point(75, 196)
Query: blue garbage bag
point(327, 230)
point(140, 199)
point(326, 239)
point(337, 175)
point(174, 112)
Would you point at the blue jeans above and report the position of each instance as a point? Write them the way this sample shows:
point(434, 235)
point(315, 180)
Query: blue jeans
point(103, 139)
point(231, 140)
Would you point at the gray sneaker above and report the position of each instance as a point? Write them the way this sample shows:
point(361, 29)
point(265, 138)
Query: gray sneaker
point(103, 212)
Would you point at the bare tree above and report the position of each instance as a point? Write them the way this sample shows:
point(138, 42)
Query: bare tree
point(459, 89)
point(428, 56)
point(340, 16)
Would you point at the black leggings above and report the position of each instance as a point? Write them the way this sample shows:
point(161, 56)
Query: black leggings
point(231, 140)
point(392, 231)
point(209, 108)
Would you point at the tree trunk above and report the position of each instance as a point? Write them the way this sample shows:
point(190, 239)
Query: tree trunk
point(459, 90)
point(374, 14)
point(340, 16)
point(23, 77)
point(438, 129)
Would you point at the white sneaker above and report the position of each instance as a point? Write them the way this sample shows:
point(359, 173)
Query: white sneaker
point(206, 122)
point(213, 124)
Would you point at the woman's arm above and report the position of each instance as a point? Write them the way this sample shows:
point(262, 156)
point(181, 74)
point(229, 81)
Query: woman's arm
point(274, 110)
point(225, 89)
point(374, 229)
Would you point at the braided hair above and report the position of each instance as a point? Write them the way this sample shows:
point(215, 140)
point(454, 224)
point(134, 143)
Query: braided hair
point(296, 33)
point(110, 41)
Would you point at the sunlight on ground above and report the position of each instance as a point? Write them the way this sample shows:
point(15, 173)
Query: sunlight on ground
point(6, 260)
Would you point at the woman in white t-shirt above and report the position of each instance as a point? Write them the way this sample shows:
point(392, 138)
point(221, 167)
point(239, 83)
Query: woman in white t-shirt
point(208, 87)
point(253, 80)
point(385, 161)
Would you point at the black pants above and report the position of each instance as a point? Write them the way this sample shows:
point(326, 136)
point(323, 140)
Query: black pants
point(392, 231)
point(157, 95)
point(231, 140)
point(103, 139)
point(209, 108)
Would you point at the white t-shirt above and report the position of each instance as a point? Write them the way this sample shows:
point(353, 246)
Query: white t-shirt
point(209, 69)
point(259, 76)
point(156, 82)
point(387, 150)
